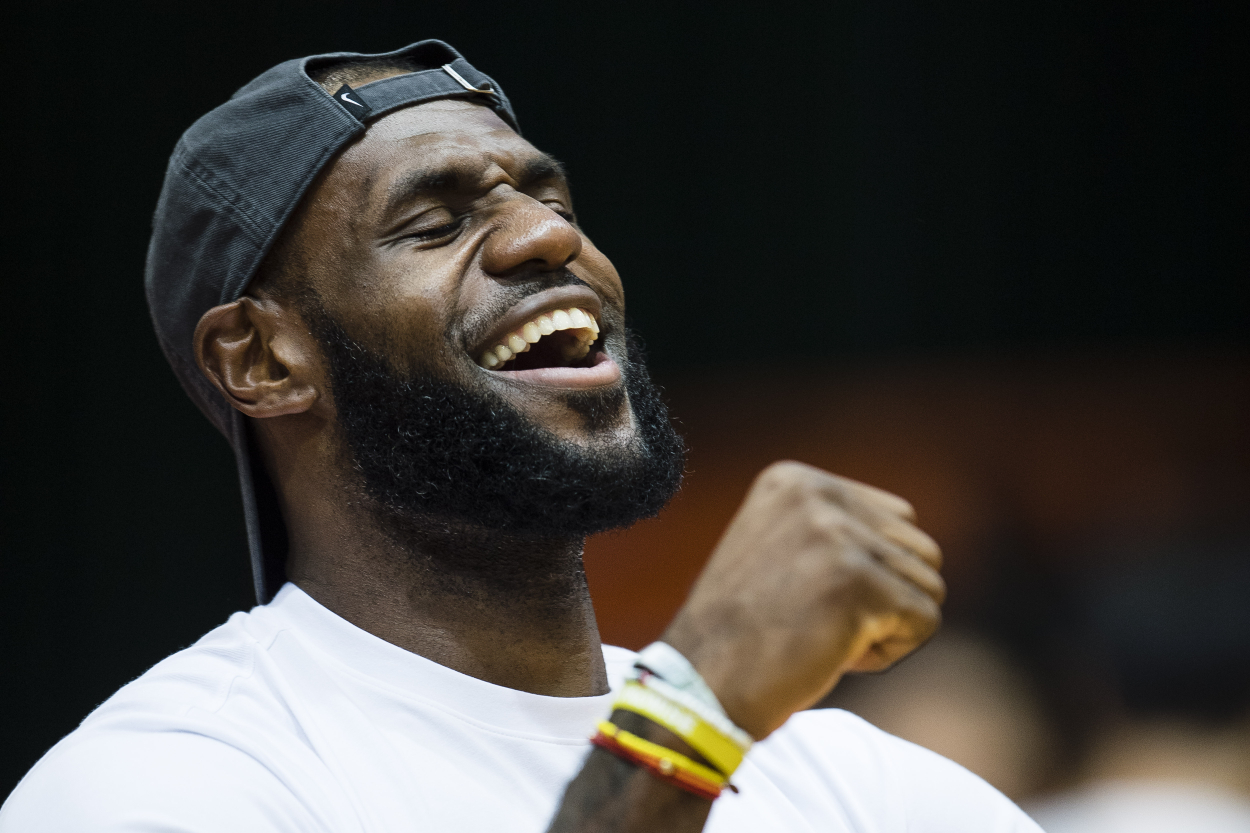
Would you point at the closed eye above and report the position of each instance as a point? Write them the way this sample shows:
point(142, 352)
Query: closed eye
point(437, 233)
point(563, 212)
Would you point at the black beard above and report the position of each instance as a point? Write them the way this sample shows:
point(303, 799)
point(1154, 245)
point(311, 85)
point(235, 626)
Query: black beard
point(481, 493)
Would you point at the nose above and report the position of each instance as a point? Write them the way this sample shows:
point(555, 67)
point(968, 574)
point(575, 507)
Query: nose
point(529, 236)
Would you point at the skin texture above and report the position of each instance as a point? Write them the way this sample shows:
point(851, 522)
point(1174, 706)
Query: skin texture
point(816, 576)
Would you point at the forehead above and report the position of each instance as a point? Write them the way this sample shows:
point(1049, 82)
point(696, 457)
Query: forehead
point(444, 116)
point(438, 135)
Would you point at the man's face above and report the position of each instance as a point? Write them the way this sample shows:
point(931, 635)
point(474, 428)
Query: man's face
point(447, 242)
point(433, 250)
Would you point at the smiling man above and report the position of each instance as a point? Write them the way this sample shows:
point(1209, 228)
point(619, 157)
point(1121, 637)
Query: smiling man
point(378, 290)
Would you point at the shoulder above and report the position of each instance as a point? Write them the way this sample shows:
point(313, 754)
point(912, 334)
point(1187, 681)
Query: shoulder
point(890, 777)
point(175, 749)
point(110, 780)
point(205, 683)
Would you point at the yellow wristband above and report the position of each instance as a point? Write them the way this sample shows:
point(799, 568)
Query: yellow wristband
point(668, 761)
point(702, 736)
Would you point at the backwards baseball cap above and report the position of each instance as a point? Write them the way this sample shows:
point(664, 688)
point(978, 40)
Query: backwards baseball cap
point(234, 179)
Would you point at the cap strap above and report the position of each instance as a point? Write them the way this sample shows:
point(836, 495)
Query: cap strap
point(457, 79)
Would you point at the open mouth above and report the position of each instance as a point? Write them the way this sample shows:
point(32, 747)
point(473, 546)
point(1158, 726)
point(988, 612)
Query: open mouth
point(558, 338)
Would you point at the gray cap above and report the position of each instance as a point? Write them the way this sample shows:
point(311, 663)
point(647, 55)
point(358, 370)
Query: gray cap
point(233, 180)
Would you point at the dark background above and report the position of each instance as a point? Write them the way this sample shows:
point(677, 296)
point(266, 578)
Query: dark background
point(799, 187)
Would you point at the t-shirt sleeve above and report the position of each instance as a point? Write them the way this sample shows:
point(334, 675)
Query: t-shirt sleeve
point(943, 797)
point(889, 785)
point(940, 796)
point(175, 782)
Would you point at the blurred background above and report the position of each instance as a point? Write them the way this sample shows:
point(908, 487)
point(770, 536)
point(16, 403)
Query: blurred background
point(990, 257)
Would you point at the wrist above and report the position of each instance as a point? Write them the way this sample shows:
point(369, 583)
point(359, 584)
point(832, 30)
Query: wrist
point(667, 721)
point(689, 774)
point(654, 732)
point(719, 666)
point(663, 677)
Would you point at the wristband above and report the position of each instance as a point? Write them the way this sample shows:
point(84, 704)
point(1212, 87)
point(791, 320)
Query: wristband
point(662, 762)
point(704, 737)
point(672, 669)
point(671, 666)
point(684, 698)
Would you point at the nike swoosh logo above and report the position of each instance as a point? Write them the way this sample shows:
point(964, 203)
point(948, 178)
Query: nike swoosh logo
point(344, 97)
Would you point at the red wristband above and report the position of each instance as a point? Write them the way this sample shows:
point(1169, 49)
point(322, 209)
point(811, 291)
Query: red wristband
point(683, 780)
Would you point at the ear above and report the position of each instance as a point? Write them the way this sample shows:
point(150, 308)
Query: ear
point(260, 356)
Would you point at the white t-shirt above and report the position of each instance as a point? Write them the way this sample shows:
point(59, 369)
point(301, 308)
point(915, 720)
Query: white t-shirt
point(289, 718)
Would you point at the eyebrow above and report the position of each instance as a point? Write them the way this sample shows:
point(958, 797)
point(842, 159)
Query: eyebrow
point(419, 182)
point(541, 167)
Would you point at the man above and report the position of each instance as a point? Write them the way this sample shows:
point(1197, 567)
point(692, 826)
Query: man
point(377, 289)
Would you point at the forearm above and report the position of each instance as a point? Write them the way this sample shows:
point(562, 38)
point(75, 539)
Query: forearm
point(817, 575)
point(611, 795)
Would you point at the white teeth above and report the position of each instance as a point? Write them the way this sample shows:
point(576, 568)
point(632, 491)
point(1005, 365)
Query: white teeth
point(583, 326)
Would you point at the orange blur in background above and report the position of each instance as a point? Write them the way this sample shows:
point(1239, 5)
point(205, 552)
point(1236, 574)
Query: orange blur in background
point(1056, 451)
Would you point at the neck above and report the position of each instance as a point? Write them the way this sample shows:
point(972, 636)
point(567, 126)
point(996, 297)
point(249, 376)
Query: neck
point(510, 610)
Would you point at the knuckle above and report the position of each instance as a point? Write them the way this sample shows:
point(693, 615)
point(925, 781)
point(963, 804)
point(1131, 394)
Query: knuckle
point(930, 593)
point(838, 485)
point(785, 469)
point(928, 617)
point(916, 541)
point(781, 475)
point(862, 579)
point(828, 522)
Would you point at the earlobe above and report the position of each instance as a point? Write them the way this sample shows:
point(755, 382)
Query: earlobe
point(251, 352)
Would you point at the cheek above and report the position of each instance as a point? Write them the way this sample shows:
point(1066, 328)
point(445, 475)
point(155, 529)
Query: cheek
point(599, 272)
point(405, 318)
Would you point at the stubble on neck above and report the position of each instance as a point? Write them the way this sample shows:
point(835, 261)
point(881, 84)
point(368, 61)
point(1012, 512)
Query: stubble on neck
point(517, 614)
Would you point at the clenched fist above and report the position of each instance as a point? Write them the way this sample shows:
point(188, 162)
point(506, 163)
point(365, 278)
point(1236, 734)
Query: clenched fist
point(817, 575)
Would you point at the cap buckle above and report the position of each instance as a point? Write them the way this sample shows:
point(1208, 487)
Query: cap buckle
point(461, 80)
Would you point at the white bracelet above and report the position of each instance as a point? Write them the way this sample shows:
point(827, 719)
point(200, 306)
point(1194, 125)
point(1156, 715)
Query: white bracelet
point(679, 681)
point(683, 699)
